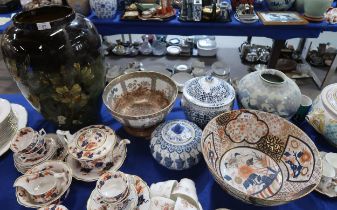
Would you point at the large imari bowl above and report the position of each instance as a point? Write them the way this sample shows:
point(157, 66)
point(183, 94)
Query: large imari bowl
point(140, 100)
point(260, 158)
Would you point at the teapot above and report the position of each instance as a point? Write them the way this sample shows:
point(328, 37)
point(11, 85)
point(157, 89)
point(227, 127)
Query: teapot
point(92, 146)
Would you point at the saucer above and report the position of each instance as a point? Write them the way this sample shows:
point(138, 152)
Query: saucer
point(21, 114)
point(55, 166)
point(143, 192)
point(94, 203)
point(86, 175)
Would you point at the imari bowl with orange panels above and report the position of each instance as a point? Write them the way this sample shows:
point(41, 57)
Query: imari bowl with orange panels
point(260, 158)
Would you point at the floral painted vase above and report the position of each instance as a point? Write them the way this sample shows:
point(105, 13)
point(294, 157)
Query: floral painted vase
point(323, 114)
point(270, 91)
point(54, 55)
point(278, 5)
point(104, 8)
point(80, 6)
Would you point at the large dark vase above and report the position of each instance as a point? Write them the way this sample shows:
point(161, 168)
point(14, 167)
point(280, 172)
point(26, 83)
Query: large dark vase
point(55, 57)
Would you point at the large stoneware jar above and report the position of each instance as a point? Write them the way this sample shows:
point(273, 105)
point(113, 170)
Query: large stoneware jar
point(270, 91)
point(55, 57)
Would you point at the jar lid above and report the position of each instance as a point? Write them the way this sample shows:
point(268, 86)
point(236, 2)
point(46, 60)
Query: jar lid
point(176, 144)
point(208, 91)
point(92, 142)
point(329, 98)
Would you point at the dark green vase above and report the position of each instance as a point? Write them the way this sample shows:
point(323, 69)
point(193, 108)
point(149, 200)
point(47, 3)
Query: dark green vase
point(55, 57)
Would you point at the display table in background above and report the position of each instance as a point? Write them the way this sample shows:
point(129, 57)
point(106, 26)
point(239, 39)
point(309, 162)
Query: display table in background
point(140, 162)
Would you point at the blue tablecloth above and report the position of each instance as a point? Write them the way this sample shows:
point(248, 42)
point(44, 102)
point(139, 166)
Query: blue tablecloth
point(140, 162)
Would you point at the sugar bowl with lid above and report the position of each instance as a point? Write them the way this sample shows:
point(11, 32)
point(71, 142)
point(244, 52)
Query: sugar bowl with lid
point(91, 146)
point(206, 97)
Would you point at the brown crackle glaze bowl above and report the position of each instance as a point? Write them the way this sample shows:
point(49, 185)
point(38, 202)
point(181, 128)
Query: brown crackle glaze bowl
point(140, 100)
point(260, 158)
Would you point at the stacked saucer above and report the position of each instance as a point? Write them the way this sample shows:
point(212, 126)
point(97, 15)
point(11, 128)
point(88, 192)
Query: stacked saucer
point(12, 118)
point(32, 148)
point(119, 191)
point(45, 184)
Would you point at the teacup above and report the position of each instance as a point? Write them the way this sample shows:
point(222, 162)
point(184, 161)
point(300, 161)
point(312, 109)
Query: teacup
point(186, 189)
point(28, 141)
point(163, 189)
point(113, 187)
point(183, 204)
point(42, 187)
point(161, 203)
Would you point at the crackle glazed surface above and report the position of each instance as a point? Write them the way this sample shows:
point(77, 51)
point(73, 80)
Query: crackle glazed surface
point(323, 114)
point(260, 158)
point(270, 91)
point(145, 87)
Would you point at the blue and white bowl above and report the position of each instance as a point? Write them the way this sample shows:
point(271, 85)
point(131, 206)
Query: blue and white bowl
point(176, 144)
point(278, 5)
point(104, 8)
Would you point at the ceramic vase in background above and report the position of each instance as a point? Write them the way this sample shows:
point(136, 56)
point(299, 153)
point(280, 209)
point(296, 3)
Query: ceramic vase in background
point(270, 91)
point(279, 5)
point(104, 8)
point(80, 6)
point(57, 64)
point(316, 9)
point(299, 4)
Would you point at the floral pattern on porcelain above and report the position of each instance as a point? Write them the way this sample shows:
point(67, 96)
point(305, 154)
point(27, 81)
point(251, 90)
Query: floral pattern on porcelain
point(206, 97)
point(104, 8)
point(176, 144)
point(323, 114)
point(277, 5)
point(268, 169)
point(282, 98)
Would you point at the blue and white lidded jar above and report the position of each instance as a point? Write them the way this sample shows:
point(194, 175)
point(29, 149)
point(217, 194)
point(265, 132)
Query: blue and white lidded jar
point(104, 8)
point(176, 144)
point(206, 97)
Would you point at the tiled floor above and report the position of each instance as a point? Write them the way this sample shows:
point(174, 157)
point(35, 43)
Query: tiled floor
point(228, 55)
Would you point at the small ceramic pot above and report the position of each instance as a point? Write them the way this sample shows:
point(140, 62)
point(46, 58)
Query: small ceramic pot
point(271, 91)
point(28, 141)
point(104, 8)
point(316, 9)
point(206, 97)
point(278, 5)
point(113, 187)
point(176, 144)
point(80, 6)
point(92, 146)
point(323, 114)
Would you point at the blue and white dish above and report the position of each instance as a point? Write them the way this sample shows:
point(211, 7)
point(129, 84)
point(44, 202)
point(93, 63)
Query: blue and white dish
point(206, 97)
point(104, 8)
point(277, 5)
point(176, 144)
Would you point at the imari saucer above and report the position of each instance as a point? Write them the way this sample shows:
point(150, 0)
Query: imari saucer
point(56, 166)
point(143, 193)
point(79, 173)
point(21, 114)
point(95, 203)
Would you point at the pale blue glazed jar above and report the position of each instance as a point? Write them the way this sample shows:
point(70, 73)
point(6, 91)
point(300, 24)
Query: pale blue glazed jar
point(104, 8)
point(270, 91)
point(279, 5)
point(176, 144)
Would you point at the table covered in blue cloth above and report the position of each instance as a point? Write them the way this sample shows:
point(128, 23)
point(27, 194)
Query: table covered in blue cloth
point(140, 162)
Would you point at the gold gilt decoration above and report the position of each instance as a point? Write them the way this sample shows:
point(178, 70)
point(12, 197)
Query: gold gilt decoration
point(272, 146)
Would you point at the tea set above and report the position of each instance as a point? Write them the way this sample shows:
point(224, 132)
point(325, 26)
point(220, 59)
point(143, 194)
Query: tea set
point(117, 190)
point(93, 150)
point(32, 148)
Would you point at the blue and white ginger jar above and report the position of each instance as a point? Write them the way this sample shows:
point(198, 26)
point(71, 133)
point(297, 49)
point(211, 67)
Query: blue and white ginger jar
point(104, 8)
point(278, 5)
point(206, 97)
point(176, 144)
